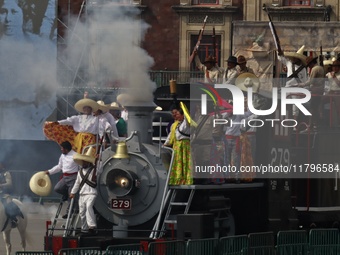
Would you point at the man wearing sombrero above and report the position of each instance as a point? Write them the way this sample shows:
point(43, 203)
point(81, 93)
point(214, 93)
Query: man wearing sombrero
point(69, 170)
point(293, 61)
point(80, 130)
point(115, 111)
point(103, 112)
point(86, 185)
point(212, 73)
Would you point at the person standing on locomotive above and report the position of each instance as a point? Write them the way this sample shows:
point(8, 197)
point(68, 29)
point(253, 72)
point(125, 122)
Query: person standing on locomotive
point(212, 73)
point(81, 130)
point(69, 168)
point(120, 123)
point(86, 185)
point(103, 114)
point(316, 85)
point(294, 61)
point(179, 140)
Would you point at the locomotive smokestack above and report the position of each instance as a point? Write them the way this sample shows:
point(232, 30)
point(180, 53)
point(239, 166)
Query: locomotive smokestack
point(140, 119)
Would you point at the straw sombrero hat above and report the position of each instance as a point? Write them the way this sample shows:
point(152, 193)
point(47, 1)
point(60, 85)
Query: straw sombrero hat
point(88, 157)
point(114, 106)
point(298, 54)
point(102, 106)
point(327, 62)
point(247, 80)
point(40, 184)
point(86, 102)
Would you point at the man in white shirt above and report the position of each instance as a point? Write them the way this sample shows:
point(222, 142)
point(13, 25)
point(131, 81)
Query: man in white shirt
point(86, 125)
point(68, 167)
point(212, 73)
point(86, 185)
point(293, 61)
point(231, 72)
point(103, 112)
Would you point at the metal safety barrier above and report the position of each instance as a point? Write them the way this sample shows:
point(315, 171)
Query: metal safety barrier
point(292, 242)
point(34, 253)
point(125, 249)
point(233, 245)
point(202, 247)
point(324, 242)
point(261, 243)
point(80, 251)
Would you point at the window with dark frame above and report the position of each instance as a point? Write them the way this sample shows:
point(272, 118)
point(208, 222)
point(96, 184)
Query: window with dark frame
point(206, 48)
point(298, 2)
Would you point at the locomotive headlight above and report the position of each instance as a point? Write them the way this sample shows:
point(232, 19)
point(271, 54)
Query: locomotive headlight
point(121, 182)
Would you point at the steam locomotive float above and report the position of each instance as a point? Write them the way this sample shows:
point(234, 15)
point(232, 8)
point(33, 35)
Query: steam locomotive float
point(135, 203)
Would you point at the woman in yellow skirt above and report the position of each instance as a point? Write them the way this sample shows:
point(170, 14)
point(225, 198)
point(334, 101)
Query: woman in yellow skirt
point(179, 140)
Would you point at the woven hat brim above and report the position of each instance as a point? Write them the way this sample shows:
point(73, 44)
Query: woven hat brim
point(239, 82)
point(303, 58)
point(78, 158)
point(113, 107)
point(40, 184)
point(327, 62)
point(103, 108)
point(86, 102)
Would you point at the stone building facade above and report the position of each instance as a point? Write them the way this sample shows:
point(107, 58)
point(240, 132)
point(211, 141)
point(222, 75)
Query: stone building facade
point(175, 25)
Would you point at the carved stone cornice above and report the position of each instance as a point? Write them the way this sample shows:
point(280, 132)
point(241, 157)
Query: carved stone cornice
point(297, 10)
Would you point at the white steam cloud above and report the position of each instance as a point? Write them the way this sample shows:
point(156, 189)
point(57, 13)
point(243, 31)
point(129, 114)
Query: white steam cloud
point(106, 46)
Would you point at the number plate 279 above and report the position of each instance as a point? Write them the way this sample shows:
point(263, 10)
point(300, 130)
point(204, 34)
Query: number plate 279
point(121, 203)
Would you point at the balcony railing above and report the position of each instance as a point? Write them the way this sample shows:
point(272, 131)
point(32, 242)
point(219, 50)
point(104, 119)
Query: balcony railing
point(162, 78)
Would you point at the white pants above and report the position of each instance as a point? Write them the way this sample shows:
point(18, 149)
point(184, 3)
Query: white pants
point(86, 213)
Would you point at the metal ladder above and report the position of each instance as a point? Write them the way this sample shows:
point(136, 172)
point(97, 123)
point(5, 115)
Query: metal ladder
point(186, 203)
point(71, 221)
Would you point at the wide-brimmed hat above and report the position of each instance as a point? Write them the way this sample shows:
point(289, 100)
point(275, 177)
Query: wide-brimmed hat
point(40, 184)
point(86, 102)
point(336, 63)
point(88, 157)
point(209, 59)
point(298, 54)
point(232, 59)
point(241, 60)
point(102, 106)
point(114, 106)
point(327, 62)
point(247, 80)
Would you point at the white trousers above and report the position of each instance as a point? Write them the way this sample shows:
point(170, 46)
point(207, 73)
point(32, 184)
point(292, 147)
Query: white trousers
point(86, 213)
